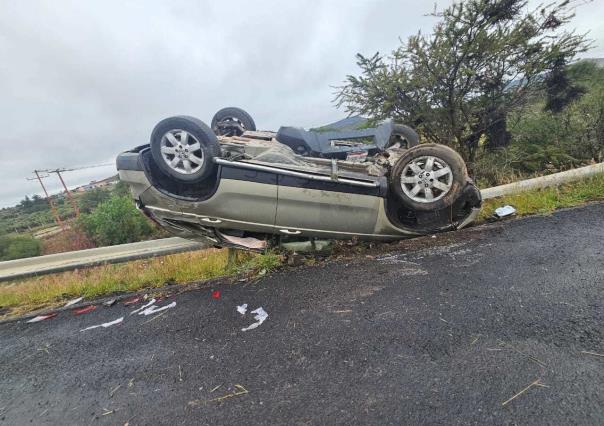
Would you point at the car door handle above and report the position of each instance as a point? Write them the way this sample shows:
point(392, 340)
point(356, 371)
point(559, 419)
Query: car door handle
point(289, 232)
point(210, 220)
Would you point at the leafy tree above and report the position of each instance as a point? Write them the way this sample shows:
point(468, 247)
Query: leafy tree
point(457, 85)
point(116, 221)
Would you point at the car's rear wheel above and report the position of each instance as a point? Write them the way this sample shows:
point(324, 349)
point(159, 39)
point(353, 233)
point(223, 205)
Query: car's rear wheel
point(428, 177)
point(232, 121)
point(184, 148)
point(405, 136)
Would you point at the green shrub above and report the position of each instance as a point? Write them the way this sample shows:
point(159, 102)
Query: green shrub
point(20, 246)
point(115, 221)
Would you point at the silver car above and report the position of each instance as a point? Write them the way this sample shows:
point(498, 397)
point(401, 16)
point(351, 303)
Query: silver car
point(248, 190)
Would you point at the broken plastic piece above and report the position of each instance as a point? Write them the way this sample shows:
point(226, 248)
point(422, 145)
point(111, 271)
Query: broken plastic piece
point(104, 325)
point(505, 211)
point(132, 300)
point(154, 309)
point(260, 317)
point(109, 302)
point(84, 310)
point(216, 294)
point(73, 302)
point(248, 242)
point(151, 302)
point(242, 309)
point(43, 317)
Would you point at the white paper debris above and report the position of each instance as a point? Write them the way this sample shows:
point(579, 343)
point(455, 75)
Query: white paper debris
point(151, 302)
point(73, 302)
point(242, 309)
point(40, 318)
point(104, 325)
point(260, 317)
point(505, 211)
point(154, 309)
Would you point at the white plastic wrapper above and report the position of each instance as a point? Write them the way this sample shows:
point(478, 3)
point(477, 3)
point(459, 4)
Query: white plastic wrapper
point(505, 211)
point(104, 325)
point(260, 317)
point(242, 309)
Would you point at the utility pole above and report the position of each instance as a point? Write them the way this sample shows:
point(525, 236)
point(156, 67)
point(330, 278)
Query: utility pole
point(74, 205)
point(52, 205)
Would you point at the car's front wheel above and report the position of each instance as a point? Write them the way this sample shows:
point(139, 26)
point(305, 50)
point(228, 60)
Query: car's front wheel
point(428, 177)
point(184, 148)
point(232, 121)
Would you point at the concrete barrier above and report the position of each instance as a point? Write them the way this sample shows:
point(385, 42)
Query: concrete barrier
point(543, 181)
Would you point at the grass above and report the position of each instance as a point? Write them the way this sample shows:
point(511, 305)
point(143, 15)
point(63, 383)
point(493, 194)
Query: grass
point(544, 201)
point(33, 293)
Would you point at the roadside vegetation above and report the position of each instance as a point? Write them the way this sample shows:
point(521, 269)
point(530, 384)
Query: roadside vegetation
point(496, 80)
point(52, 290)
point(547, 200)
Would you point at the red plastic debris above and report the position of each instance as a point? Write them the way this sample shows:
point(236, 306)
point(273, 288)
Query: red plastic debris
point(216, 294)
point(43, 317)
point(84, 310)
point(132, 301)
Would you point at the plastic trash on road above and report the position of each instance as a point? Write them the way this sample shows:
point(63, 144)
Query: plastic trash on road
point(104, 325)
point(84, 310)
point(505, 211)
point(155, 309)
point(242, 309)
point(73, 302)
point(151, 302)
point(43, 317)
point(260, 317)
point(216, 294)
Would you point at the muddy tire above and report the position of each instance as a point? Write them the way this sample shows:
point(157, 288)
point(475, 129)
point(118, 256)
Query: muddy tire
point(428, 177)
point(232, 121)
point(405, 135)
point(184, 148)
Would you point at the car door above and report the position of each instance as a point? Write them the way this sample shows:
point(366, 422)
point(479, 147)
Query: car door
point(245, 200)
point(329, 209)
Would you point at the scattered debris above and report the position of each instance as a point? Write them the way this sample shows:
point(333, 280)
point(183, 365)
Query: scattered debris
point(179, 373)
point(132, 301)
point(107, 412)
point(216, 294)
point(114, 390)
point(73, 302)
point(504, 211)
point(242, 309)
point(104, 325)
point(154, 309)
point(110, 302)
point(84, 310)
point(43, 317)
point(239, 390)
point(154, 318)
point(343, 311)
point(592, 353)
point(216, 388)
point(260, 317)
point(535, 383)
point(151, 302)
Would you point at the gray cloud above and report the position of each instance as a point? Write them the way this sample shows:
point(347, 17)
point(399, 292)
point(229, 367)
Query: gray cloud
point(82, 81)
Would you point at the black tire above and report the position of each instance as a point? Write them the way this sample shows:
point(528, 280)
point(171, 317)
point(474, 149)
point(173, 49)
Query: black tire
point(404, 132)
point(209, 147)
point(232, 121)
point(458, 177)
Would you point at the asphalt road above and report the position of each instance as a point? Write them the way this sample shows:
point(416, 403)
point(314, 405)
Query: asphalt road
point(437, 331)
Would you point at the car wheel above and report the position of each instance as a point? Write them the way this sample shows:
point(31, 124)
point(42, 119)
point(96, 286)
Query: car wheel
point(405, 135)
point(232, 121)
point(184, 148)
point(428, 177)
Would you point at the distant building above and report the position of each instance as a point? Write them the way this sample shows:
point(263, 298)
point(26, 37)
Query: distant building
point(96, 184)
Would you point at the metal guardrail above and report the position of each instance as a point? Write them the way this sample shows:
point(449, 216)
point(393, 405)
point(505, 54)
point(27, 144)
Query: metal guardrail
point(79, 259)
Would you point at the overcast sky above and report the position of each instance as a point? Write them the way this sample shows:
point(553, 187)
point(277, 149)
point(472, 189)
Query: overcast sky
point(81, 81)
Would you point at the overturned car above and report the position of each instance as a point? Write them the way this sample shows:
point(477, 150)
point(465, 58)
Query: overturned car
point(233, 186)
